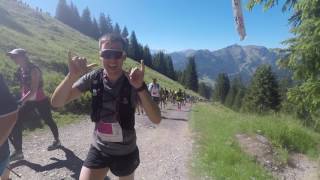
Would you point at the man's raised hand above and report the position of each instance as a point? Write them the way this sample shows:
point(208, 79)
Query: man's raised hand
point(78, 65)
point(136, 76)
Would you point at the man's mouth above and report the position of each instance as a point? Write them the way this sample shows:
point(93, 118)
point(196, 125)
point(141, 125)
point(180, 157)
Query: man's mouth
point(112, 66)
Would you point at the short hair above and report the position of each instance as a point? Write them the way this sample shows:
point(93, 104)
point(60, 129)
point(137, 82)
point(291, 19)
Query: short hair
point(112, 37)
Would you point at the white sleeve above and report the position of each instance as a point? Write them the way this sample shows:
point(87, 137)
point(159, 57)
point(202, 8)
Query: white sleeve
point(149, 87)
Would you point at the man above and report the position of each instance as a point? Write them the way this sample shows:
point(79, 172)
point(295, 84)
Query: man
point(8, 117)
point(33, 98)
point(113, 106)
point(154, 89)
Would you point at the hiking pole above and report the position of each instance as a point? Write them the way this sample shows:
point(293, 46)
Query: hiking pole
point(14, 172)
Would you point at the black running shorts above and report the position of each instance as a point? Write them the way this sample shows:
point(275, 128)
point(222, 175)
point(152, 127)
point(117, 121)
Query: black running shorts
point(119, 165)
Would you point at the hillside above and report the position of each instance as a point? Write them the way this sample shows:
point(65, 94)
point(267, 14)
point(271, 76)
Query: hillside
point(47, 40)
point(232, 60)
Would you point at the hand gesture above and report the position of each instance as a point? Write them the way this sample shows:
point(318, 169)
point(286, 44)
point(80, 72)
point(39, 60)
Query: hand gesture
point(136, 76)
point(78, 65)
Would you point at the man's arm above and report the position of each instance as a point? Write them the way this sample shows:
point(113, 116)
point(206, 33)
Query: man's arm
point(135, 77)
point(8, 111)
point(65, 92)
point(7, 122)
point(151, 108)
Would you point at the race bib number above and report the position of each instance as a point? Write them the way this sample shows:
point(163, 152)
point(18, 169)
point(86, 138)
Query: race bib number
point(109, 132)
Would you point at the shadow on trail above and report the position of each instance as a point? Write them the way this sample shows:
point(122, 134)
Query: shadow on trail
point(176, 109)
point(174, 119)
point(72, 162)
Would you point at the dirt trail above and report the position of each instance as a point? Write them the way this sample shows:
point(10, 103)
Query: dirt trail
point(165, 149)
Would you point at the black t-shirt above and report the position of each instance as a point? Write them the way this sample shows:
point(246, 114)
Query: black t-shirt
point(7, 105)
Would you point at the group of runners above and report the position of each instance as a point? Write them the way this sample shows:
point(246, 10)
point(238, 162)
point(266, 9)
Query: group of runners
point(163, 95)
point(116, 96)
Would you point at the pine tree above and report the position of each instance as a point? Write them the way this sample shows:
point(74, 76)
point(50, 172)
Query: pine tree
point(204, 90)
point(124, 32)
point(184, 78)
point(147, 57)
point(263, 93)
point(191, 75)
point(103, 24)
point(61, 10)
point(221, 88)
point(74, 17)
point(117, 29)
point(95, 29)
point(68, 14)
point(109, 25)
point(180, 77)
point(133, 48)
point(64, 13)
point(140, 52)
point(159, 62)
point(170, 69)
point(238, 100)
point(233, 91)
point(86, 23)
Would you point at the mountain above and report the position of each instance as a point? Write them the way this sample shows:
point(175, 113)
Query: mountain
point(47, 41)
point(233, 60)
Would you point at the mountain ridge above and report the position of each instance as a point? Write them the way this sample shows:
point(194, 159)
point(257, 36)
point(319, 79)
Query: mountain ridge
point(233, 60)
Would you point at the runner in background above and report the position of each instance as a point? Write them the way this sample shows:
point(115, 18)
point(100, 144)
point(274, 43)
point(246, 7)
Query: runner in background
point(179, 98)
point(154, 89)
point(33, 98)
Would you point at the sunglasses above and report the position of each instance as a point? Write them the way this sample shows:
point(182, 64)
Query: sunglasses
point(111, 54)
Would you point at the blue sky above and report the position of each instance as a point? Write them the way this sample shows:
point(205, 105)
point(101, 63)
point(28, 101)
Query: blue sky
point(175, 25)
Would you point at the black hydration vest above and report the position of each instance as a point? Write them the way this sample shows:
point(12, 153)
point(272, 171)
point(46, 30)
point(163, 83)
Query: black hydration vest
point(124, 108)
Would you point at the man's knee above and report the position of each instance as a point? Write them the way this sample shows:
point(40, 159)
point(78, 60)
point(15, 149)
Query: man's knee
point(92, 174)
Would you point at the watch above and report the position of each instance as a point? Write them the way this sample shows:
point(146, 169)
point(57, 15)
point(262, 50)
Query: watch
point(143, 87)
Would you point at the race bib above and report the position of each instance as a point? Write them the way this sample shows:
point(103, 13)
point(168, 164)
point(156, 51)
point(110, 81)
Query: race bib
point(155, 92)
point(109, 132)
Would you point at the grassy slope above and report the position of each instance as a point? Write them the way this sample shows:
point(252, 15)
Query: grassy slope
point(218, 154)
point(47, 41)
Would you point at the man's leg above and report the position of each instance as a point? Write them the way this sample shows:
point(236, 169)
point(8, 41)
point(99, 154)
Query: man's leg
point(130, 177)
point(44, 109)
point(16, 133)
point(93, 174)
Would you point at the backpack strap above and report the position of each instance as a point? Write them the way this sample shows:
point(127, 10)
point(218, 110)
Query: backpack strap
point(125, 106)
point(97, 94)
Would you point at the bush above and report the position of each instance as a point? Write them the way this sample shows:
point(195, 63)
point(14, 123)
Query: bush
point(297, 140)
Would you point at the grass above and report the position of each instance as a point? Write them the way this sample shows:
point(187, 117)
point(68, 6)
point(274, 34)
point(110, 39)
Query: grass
point(218, 155)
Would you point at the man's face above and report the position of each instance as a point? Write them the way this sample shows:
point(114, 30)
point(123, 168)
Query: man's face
point(18, 59)
point(111, 59)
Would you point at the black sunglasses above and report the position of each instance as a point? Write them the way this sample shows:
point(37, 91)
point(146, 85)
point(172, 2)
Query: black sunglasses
point(111, 54)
